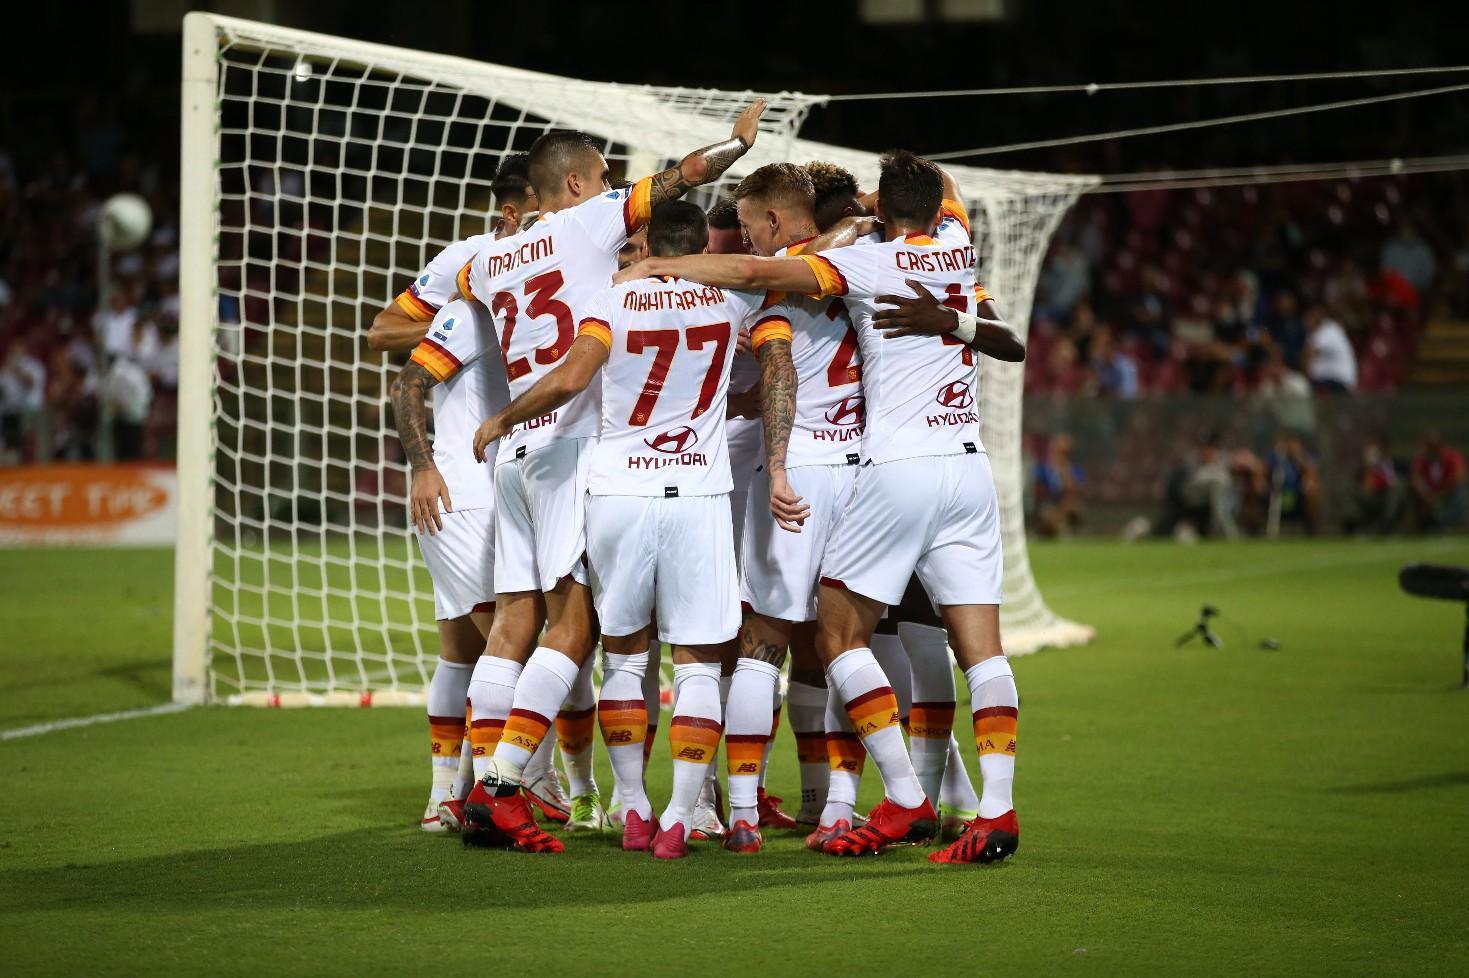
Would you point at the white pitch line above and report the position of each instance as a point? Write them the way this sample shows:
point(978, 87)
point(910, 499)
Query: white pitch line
point(55, 725)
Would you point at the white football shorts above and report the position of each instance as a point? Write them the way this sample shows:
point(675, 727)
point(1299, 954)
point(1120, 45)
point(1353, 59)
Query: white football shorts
point(540, 516)
point(936, 515)
point(672, 553)
point(780, 569)
point(461, 561)
point(746, 440)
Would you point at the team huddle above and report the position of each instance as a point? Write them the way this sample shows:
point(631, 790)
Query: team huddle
point(748, 435)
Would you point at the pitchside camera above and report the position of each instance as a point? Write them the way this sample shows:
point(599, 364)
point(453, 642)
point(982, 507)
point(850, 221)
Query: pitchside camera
point(1444, 583)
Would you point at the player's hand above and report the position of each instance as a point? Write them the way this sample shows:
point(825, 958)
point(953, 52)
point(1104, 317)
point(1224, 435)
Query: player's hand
point(745, 404)
point(790, 510)
point(742, 343)
point(747, 126)
point(637, 270)
point(423, 501)
point(923, 315)
point(486, 434)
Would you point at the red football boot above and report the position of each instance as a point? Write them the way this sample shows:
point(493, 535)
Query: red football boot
point(887, 825)
point(670, 843)
point(743, 837)
point(638, 832)
point(451, 814)
point(987, 840)
point(771, 817)
point(817, 840)
point(510, 814)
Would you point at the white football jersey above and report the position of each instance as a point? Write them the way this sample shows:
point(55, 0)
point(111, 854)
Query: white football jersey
point(432, 289)
point(664, 389)
point(538, 284)
point(828, 425)
point(920, 391)
point(461, 352)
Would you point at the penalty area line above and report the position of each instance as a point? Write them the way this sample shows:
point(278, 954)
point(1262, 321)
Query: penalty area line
point(96, 718)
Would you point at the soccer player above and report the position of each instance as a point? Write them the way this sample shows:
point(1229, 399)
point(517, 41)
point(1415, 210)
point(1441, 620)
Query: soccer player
point(925, 483)
point(924, 687)
point(660, 504)
point(452, 505)
point(812, 403)
point(400, 327)
point(538, 284)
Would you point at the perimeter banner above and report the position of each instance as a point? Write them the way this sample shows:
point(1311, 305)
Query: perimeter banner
point(87, 504)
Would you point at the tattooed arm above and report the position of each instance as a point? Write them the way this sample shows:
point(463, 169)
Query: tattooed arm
point(408, 393)
point(708, 164)
point(778, 412)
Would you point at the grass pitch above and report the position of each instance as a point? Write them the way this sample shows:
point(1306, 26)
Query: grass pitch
point(1302, 811)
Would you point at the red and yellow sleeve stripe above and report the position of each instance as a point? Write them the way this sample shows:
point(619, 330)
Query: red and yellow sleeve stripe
point(981, 294)
point(463, 280)
point(414, 307)
point(955, 209)
point(829, 279)
point(638, 207)
point(770, 328)
point(439, 362)
point(597, 330)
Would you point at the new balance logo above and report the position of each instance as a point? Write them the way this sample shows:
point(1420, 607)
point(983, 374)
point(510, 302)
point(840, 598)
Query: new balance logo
point(618, 737)
point(747, 768)
point(692, 754)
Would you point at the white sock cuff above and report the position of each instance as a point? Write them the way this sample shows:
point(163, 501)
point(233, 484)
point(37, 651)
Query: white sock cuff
point(804, 694)
point(456, 666)
point(683, 671)
point(844, 666)
point(557, 663)
point(755, 665)
point(496, 671)
point(991, 668)
point(636, 663)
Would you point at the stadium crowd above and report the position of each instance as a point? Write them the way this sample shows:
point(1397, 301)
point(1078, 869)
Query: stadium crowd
point(1283, 288)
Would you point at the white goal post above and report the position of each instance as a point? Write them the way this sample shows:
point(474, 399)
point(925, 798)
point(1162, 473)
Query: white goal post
point(318, 175)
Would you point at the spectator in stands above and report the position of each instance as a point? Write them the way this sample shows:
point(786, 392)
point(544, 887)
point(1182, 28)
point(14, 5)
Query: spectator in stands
point(116, 324)
point(1438, 486)
point(1058, 484)
point(1295, 487)
point(128, 392)
point(1329, 360)
point(1407, 254)
point(1286, 328)
point(1198, 499)
point(22, 394)
point(1377, 498)
point(1285, 394)
point(1115, 371)
point(1064, 281)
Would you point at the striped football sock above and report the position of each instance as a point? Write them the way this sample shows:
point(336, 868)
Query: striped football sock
point(931, 720)
point(748, 732)
point(447, 690)
point(996, 714)
point(873, 711)
point(491, 692)
point(575, 726)
point(806, 708)
point(545, 682)
point(693, 738)
point(846, 758)
point(623, 715)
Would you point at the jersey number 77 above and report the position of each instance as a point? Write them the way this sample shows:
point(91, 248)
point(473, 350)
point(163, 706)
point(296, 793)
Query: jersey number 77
point(665, 344)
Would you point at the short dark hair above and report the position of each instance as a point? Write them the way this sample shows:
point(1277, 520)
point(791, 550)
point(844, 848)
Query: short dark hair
point(782, 184)
point(556, 153)
point(677, 228)
point(723, 216)
point(512, 179)
point(911, 188)
point(835, 189)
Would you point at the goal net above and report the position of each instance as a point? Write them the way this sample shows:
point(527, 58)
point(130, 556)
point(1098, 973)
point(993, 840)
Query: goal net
point(319, 174)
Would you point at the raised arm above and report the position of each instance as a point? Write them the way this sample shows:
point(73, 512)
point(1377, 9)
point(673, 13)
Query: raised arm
point(709, 163)
point(842, 233)
point(986, 331)
point(744, 272)
point(568, 379)
point(410, 388)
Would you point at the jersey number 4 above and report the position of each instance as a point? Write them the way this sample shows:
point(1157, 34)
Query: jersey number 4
point(541, 290)
point(664, 343)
